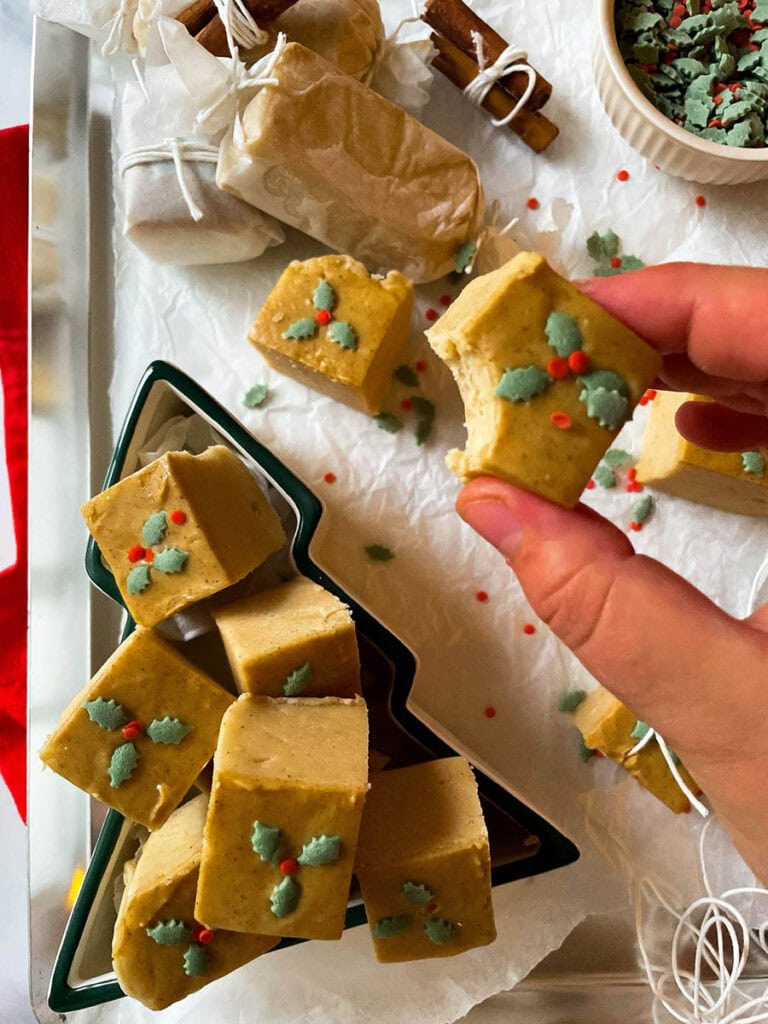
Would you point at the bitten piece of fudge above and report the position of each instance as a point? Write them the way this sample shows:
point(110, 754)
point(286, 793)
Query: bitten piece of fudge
point(731, 481)
point(336, 328)
point(139, 734)
point(295, 640)
point(183, 528)
point(161, 952)
point(548, 378)
point(290, 777)
point(423, 862)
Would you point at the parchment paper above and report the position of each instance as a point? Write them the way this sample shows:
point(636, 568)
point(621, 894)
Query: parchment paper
point(389, 491)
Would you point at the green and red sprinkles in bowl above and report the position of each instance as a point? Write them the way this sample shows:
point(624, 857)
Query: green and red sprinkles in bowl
point(702, 63)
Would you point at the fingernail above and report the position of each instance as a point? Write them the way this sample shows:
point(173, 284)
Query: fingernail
point(495, 522)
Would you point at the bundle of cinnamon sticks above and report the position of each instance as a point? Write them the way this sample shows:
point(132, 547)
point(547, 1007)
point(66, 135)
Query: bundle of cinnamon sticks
point(456, 31)
point(203, 22)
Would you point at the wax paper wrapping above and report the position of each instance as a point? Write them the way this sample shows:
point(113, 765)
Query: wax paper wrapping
point(116, 25)
point(157, 218)
point(388, 490)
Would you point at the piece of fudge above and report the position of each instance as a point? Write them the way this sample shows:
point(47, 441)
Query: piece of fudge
point(731, 481)
point(333, 326)
point(183, 528)
point(423, 862)
point(290, 778)
point(294, 640)
point(548, 378)
point(329, 156)
point(138, 735)
point(161, 952)
point(607, 725)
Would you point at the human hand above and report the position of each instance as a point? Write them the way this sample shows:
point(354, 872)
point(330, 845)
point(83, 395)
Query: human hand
point(696, 674)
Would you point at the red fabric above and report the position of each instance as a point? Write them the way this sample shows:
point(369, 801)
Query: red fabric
point(14, 146)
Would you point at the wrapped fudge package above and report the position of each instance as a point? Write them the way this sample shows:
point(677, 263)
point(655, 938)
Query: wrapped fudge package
point(174, 211)
point(327, 155)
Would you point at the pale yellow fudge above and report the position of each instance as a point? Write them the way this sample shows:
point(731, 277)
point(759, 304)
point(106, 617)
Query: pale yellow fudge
point(161, 952)
point(336, 328)
point(290, 778)
point(183, 528)
point(423, 862)
point(324, 153)
point(548, 378)
point(607, 725)
point(294, 640)
point(731, 481)
point(138, 735)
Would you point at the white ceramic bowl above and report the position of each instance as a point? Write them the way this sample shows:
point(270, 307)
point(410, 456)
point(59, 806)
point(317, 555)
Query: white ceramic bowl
point(647, 130)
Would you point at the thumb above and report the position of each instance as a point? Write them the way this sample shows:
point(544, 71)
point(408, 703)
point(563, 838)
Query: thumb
point(675, 658)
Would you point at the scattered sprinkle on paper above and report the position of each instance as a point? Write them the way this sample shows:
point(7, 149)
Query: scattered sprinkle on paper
point(255, 396)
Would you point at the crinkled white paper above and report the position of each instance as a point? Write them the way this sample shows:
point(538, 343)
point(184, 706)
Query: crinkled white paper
point(392, 492)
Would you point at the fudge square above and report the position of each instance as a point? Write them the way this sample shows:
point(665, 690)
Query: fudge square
point(290, 778)
point(140, 732)
point(548, 378)
point(292, 640)
point(183, 528)
point(609, 726)
point(731, 481)
point(335, 327)
point(423, 862)
point(161, 953)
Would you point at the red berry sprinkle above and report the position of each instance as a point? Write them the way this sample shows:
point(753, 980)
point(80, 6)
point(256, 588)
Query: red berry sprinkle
point(149, 555)
point(406, 405)
point(330, 478)
point(490, 711)
point(557, 367)
point(421, 366)
point(135, 553)
point(632, 473)
point(561, 420)
point(674, 21)
point(446, 300)
point(324, 317)
point(529, 629)
point(481, 596)
point(597, 753)
point(578, 361)
point(717, 100)
point(650, 394)
point(431, 314)
point(637, 527)
point(289, 866)
point(622, 176)
point(178, 517)
point(633, 487)
point(615, 262)
point(202, 934)
point(700, 201)
point(533, 203)
point(590, 485)
point(133, 730)
point(431, 907)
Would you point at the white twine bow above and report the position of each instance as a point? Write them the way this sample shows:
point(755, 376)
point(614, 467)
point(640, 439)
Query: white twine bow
point(512, 59)
point(241, 78)
point(179, 152)
point(651, 734)
point(240, 26)
point(120, 25)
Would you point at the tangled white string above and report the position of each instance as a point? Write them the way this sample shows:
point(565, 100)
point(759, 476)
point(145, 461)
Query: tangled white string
point(386, 47)
point(240, 27)
point(512, 59)
point(714, 939)
point(255, 77)
point(120, 25)
point(179, 152)
point(672, 765)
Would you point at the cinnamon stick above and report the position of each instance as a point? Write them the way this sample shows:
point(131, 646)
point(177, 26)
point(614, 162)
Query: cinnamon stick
point(456, 22)
point(197, 16)
point(204, 23)
point(532, 127)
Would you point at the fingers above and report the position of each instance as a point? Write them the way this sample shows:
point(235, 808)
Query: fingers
point(679, 374)
point(646, 634)
point(715, 314)
point(719, 428)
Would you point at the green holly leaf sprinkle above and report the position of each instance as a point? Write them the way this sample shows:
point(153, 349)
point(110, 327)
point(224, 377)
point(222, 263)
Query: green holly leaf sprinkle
point(643, 509)
point(379, 553)
point(285, 897)
point(422, 406)
point(424, 429)
point(298, 681)
point(320, 850)
point(407, 375)
point(386, 421)
point(570, 700)
point(106, 713)
point(170, 560)
point(617, 457)
point(585, 753)
point(438, 930)
point(302, 329)
point(426, 412)
point(389, 927)
point(265, 840)
point(169, 933)
point(138, 579)
point(195, 961)
point(324, 297)
point(465, 257)
point(753, 462)
point(630, 263)
point(417, 894)
point(154, 529)
point(343, 334)
point(602, 248)
point(168, 730)
point(609, 408)
point(608, 379)
point(124, 759)
point(604, 476)
point(563, 333)
point(640, 729)
point(255, 396)
point(522, 384)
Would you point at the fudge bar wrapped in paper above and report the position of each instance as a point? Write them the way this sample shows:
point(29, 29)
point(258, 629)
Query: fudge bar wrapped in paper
point(173, 210)
point(327, 155)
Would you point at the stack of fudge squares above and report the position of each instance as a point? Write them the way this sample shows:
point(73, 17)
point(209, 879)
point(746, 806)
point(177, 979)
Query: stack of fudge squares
point(291, 814)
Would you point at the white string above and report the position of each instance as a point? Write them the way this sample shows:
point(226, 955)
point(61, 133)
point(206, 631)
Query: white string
point(179, 152)
point(666, 753)
point(138, 71)
point(510, 60)
point(255, 77)
point(386, 47)
point(240, 27)
point(120, 25)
